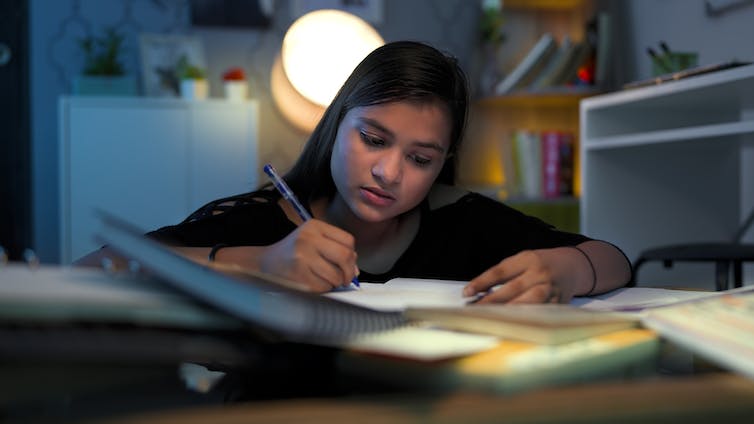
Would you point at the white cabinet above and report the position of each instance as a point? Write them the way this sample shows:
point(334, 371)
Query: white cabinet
point(151, 161)
point(671, 163)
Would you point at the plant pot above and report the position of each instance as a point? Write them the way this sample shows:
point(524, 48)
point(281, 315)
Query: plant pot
point(194, 89)
point(236, 90)
point(96, 85)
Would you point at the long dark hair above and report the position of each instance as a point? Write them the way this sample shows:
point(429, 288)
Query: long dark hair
point(397, 71)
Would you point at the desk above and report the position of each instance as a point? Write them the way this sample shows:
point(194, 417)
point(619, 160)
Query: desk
point(144, 392)
point(715, 397)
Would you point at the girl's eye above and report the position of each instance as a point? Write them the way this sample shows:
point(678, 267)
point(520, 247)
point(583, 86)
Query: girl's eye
point(371, 140)
point(420, 160)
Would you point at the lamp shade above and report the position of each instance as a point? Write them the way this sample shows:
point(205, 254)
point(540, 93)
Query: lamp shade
point(321, 49)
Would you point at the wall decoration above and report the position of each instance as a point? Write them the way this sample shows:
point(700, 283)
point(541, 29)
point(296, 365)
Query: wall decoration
point(160, 56)
point(371, 11)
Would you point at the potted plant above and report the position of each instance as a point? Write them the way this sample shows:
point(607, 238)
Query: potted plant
point(491, 36)
point(193, 80)
point(234, 82)
point(103, 72)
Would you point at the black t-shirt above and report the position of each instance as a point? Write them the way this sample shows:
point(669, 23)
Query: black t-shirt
point(457, 241)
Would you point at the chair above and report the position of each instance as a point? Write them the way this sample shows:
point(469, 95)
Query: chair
point(724, 255)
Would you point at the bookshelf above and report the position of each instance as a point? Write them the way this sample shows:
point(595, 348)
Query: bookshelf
point(485, 157)
point(670, 164)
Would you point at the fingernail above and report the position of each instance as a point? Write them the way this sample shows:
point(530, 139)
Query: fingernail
point(467, 291)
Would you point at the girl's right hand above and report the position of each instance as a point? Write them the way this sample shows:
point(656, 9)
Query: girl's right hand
point(317, 254)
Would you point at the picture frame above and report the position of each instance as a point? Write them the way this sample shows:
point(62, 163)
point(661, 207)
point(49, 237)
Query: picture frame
point(371, 11)
point(160, 54)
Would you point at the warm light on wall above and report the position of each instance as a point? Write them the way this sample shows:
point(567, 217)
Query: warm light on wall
point(319, 52)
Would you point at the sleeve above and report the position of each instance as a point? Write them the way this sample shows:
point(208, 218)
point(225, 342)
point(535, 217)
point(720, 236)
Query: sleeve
point(500, 231)
point(245, 220)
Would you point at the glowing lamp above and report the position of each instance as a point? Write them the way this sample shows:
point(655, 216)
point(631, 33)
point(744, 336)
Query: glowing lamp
point(319, 52)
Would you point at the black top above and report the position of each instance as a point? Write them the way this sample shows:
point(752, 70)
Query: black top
point(457, 241)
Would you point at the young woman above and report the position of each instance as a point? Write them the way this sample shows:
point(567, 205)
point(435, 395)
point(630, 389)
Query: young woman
point(374, 175)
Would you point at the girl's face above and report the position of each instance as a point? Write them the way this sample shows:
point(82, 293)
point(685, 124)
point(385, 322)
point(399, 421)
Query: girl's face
point(386, 157)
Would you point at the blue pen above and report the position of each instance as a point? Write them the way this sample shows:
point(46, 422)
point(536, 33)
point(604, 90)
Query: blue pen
point(288, 195)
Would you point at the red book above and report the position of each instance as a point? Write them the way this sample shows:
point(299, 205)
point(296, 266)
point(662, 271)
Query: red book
point(557, 164)
point(550, 164)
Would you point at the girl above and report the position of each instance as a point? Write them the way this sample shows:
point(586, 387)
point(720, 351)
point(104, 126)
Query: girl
point(375, 176)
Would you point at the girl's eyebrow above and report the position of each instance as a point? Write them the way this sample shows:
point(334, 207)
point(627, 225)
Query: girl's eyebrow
point(382, 128)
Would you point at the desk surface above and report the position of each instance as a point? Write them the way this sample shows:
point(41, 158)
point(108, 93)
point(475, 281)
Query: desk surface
point(713, 397)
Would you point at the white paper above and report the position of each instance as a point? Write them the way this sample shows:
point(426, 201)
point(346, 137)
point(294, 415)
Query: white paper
point(400, 293)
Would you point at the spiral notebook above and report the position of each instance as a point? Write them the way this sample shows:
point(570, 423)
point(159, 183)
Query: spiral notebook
point(265, 301)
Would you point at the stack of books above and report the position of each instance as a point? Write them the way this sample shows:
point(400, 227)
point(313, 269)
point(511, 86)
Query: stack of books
point(543, 164)
point(552, 65)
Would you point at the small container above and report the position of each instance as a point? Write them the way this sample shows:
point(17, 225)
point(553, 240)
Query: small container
point(674, 62)
point(236, 91)
point(194, 89)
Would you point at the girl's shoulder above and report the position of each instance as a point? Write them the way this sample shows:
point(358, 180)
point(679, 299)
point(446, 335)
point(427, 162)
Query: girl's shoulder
point(442, 195)
point(262, 197)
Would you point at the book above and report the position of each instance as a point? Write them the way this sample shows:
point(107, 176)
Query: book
point(568, 73)
point(536, 323)
point(516, 366)
point(687, 73)
point(550, 164)
point(57, 295)
point(719, 328)
point(398, 294)
point(529, 157)
point(604, 47)
point(558, 61)
point(526, 70)
point(557, 164)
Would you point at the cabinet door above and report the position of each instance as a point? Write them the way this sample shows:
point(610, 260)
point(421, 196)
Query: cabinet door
point(125, 159)
point(222, 158)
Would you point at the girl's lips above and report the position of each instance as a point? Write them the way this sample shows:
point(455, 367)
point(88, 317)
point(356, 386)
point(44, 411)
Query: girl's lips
point(376, 196)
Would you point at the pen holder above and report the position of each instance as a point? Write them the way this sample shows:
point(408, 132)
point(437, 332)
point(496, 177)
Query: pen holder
point(673, 62)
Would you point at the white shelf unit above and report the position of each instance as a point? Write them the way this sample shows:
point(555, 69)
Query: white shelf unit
point(151, 161)
point(667, 164)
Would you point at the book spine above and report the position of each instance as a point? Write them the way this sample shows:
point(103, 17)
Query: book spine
point(550, 164)
point(566, 163)
point(541, 49)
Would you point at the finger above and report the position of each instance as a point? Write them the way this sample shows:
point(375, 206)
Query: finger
point(331, 232)
point(506, 292)
point(320, 278)
point(537, 294)
point(341, 259)
point(501, 273)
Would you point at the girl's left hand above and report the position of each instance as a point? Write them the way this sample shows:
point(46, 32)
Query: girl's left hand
point(522, 278)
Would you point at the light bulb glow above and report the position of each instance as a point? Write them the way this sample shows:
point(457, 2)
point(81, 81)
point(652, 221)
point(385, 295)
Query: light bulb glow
point(322, 48)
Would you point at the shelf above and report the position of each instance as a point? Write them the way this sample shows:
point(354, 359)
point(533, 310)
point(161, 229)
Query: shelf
point(565, 97)
point(543, 4)
point(720, 132)
point(669, 164)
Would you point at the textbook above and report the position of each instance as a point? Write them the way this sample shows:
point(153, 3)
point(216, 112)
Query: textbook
point(546, 324)
point(719, 327)
point(515, 366)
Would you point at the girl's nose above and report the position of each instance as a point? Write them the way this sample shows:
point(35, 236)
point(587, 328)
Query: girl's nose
point(389, 169)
